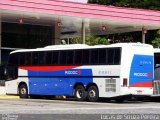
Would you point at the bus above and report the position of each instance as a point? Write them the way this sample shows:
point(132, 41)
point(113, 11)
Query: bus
point(5, 54)
point(81, 71)
point(156, 88)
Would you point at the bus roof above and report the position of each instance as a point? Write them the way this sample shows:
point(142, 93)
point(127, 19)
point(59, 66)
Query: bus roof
point(81, 46)
point(156, 50)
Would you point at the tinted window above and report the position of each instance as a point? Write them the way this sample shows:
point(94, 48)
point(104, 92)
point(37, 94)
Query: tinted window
point(70, 56)
point(63, 56)
point(85, 57)
point(78, 57)
point(117, 56)
point(35, 58)
point(110, 56)
point(42, 57)
point(28, 58)
point(94, 56)
point(102, 56)
point(13, 59)
point(113, 56)
point(21, 59)
point(48, 58)
point(55, 58)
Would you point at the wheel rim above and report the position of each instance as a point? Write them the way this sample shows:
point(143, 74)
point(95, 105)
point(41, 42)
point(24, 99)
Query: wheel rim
point(79, 93)
point(23, 91)
point(92, 93)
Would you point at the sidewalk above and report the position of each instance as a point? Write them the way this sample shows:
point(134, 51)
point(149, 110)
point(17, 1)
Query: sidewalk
point(4, 96)
point(2, 90)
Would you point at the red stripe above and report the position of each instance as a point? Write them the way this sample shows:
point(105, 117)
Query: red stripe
point(142, 84)
point(47, 68)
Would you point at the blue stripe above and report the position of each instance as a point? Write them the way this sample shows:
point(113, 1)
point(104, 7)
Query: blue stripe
point(57, 86)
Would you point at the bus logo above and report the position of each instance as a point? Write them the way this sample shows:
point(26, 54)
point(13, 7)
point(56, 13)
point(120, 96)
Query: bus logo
point(149, 74)
point(143, 74)
point(73, 72)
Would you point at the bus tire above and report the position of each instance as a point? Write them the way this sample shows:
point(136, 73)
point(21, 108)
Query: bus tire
point(80, 93)
point(23, 91)
point(92, 94)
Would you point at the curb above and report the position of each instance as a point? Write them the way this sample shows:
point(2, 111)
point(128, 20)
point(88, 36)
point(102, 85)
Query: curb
point(9, 97)
point(17, 97)
point(61, 97)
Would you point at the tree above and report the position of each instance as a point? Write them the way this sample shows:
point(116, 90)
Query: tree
point(144, 4)
point(156, 41)
point(91, 40)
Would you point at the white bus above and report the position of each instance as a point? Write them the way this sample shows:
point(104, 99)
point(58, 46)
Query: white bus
point(85, 72)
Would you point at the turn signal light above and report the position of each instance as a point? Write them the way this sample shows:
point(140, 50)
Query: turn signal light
point(125, 82)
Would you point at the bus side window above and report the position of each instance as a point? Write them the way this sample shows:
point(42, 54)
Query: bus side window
point(35, 58)
point(42, 57)
point(85, 58)
point(55, 58)
point(78, 57)
point(102, 56)
point(63, 55)
point(21, 59)
point(110, 56)
point(94, 56)
point(117, 56)
point(49, 57)
point(70, 56)
point(13, 59)
point(28, 58)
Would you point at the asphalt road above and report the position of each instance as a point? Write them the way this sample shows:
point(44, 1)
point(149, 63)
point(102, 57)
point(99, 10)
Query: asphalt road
point(40, 109)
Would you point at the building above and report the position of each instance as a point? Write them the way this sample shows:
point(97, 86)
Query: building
point(37, 23)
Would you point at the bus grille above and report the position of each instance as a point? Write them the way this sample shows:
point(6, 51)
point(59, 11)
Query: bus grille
point(110, 85)
point(156, 89)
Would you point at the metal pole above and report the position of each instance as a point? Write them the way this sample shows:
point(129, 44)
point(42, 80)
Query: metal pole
point(83, 32)
point(143, 35)
point(68, 41)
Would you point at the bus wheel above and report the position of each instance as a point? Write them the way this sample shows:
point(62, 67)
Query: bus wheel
point(80, 93)
point(23, 91)
point(92, 94)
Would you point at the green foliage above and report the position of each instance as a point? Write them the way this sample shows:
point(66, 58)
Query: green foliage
point(91, 40)
point(156, 41)
point(145, 4)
